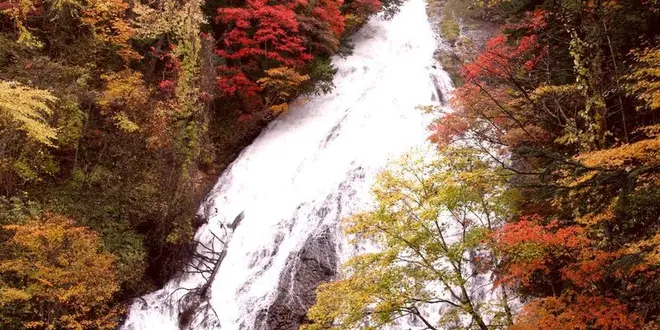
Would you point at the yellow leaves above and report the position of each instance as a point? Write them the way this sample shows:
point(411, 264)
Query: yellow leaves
point(26, 38)
point(10, 295)
point(543, 91)
point(18, 11)
point(645, 152)
point(124, 88)
point(627, 158)
point(644, 82)
point(279, 108)
point(152, 23)
point(171, 18)
point(27, 109)
point(107, 20)
point(126, 94)
point(46, 283)
point(280, 85)
point(62, 4)
point(373, 295)
point(602, 185)
point(650, 248)
point(282, 78)
point(593, 219)
point(353, 22)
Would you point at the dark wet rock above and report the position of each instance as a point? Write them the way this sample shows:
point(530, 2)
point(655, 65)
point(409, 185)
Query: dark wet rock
point(438, 90)
point(200, 220)
point(237, 220)
point(334, 131)
point(314, 264)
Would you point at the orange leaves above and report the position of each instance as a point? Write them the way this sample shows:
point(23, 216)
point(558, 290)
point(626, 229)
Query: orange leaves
point(533, 249)
point(575, 312)
point(108, 21)
point(66, 279)
point(589, 268)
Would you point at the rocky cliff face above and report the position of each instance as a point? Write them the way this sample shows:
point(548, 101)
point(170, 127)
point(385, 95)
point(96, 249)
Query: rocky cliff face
point(463, 30)
point(315, 263)
point(310, 168)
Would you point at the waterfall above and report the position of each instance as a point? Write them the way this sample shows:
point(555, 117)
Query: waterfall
point(273, 216)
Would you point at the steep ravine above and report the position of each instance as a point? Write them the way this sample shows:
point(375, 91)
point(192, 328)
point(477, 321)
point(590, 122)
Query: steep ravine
point(273, 217)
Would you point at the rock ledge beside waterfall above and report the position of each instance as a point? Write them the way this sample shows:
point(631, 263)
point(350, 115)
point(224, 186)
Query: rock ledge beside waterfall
point(296, 293)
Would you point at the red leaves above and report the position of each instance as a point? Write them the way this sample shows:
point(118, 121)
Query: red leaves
point(328, 11)
point(532, 248)
point(263, 35)
point(534, 21)
point(502, 60)
point(489, 106)
point(476, 114)
point(233, 82)
point(447, 127)
point(365, 8)
point(262, 31)
point(167, 86)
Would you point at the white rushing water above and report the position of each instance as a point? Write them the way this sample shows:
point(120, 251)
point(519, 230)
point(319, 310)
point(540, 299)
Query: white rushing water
point(308, 169)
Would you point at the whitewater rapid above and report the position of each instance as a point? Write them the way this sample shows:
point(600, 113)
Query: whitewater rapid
point(308, 169)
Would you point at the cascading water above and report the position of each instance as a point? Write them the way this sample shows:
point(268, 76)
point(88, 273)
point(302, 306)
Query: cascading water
point(273, 216)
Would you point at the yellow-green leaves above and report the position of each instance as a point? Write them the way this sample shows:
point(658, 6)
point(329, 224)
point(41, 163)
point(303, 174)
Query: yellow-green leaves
point(27, 109)
point(431, 226)
point(125, 93)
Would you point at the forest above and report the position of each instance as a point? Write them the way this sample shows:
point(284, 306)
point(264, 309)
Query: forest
point(117, 116)
point(541, 209)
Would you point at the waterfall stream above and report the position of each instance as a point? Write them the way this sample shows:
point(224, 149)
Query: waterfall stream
point(273, 216)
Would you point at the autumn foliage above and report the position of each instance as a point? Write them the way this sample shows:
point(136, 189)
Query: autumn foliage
point(116, 117)
point(571, 113)
point(56, 276)
point(261, 36)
